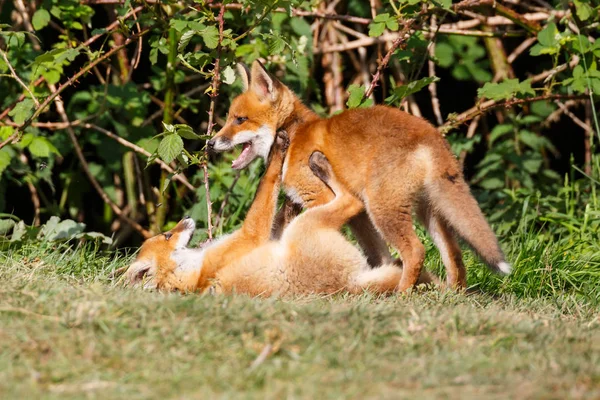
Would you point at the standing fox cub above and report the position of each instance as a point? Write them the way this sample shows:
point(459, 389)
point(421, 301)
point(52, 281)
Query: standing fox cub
point(392, 161)
point(312, 256)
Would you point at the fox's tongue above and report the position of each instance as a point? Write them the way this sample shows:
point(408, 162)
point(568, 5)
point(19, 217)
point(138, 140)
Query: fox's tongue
point(242, 158)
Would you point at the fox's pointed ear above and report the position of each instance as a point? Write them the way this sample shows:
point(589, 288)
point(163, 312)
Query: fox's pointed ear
point(244, 73)
point(262, 83)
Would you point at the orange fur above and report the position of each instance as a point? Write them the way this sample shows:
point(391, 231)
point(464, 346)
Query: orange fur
point(393, 162)
point(311, 257)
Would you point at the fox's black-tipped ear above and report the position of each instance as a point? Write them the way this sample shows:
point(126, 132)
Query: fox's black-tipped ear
point(262, 83)
point(244, 73)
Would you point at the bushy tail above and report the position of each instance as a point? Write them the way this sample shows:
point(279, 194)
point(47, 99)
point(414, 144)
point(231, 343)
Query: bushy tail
point(451, 198)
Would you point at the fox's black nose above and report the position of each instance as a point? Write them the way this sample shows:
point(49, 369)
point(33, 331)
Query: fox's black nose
point(211, 144)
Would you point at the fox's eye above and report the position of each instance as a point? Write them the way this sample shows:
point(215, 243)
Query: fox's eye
point(168, 235)
point(240, 120)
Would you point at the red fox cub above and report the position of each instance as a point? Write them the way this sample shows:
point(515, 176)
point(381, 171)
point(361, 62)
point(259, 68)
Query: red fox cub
point(312, 256)
point(394, 162)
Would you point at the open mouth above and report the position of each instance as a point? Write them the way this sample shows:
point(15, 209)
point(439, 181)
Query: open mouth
point(246, 156)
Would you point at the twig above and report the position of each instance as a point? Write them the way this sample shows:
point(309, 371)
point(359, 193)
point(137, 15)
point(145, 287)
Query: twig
point(176, 175)
point(435, 102)
point(400, 40)
point(544, 76)
point(470, 133)
point(520, 49)
point(492, 104)
point(16, 77)
point(61, 111)
point(9, 139)
point(216, 80)
point(587, 128)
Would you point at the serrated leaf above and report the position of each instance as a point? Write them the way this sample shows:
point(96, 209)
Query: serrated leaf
point(210, 35)
point(505, 90)
point(228, 75)
point(276, 45)
point(185, 40)
point(186, 132)
point(22, 111)
point(40, 19)
point(170, 147)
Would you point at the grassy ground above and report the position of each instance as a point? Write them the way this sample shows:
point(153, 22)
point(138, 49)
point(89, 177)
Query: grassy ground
point(67, 331)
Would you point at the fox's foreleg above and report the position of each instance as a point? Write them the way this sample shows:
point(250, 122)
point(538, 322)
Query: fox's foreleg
point(259, 219)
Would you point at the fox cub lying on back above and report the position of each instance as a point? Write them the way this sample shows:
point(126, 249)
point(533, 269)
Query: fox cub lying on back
point(311, 256)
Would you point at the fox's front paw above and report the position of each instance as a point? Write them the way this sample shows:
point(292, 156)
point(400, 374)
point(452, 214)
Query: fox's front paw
point(282, 141)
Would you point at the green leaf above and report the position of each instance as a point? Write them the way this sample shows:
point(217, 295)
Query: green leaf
point(547, 36)
point(356, 95)
point(444, 54)
point(276, 45)
point(376, 29)
point(584, 10)
point(492, 183)
point(5, 132)
point(4, 159)
point(41, 147)
point(40, 19)
point(410, 88)
point(185, 40)
point(547, 41)
point(170, 147)
point(498, 131)
point(505, 90)
point(22, 111)
point(211, 37)
point(66, 229)
point(228, 75)
point(186, 132)
point(6, 226)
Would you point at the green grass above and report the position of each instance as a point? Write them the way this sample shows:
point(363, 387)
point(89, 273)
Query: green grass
point(68, 331)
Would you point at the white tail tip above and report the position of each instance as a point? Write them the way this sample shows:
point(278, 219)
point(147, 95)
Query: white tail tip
point(505, 267)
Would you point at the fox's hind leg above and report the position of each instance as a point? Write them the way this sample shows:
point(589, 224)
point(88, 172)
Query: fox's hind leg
point(445, 240)
point(374, 246)
point(390, 208)
point(337, 212)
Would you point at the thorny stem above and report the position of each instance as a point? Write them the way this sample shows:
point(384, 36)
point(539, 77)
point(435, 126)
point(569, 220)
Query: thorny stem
point(216, 80)
point(492, 104)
